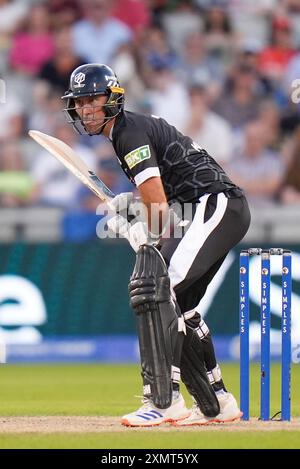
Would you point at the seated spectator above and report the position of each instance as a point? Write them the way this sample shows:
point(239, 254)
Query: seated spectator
point(57, 71)
point(154, 50)
point(269, 116)
point(99, 36)
point(179, 19)
point(46, 108)
point(256, 169)
point(239, 104)
point(250, 18)
point(33, 45)
point(126, 68)
point(275, 58)
point(248, 51)
point(64, 12)
point(293, 11)
point(16, 185)
point(196, 66)
point(248, 54)
point(134, 13)
point(11, 116)
point(290, 190)
point(209, 130)
point(291, 74)
point(220, 40)
point(12, 13)
point(293, 6)
point(54, 184)
point(167, 96)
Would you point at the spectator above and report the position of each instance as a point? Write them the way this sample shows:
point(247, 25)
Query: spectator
point(164, 100)
point(239, 105)
point(65, 12)
point(290, 190)
point(16, 185)
point(290, 113)
point(179, 19)
point(154, 49)
point(99, 36)
point(11, 117)
point(269, 116)
point(250, 18)
point(134, 13)
point(57, 71)
point(12, 12)
point(248, 54)
point(54, 185)
point(211, 131)
point(196, 67)
point(293, 11)
point(220, 40)
point(126, 67)
point(46, 107)
point(291, 74)
point(293, 6)
point(256, 169)
point(33, 45)
point(274, 59)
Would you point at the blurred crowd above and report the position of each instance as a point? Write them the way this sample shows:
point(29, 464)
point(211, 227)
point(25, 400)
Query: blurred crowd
point(225, 72)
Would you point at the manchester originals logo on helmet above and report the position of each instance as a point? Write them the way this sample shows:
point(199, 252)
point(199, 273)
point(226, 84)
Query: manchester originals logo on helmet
point(78, 79)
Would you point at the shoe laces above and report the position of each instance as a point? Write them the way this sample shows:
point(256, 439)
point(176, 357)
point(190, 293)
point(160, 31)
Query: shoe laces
point(146, 402)
point(196, 410)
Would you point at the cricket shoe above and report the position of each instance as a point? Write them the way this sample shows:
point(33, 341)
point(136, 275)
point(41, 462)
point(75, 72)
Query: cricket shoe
point(148, 415)
point(229, 412)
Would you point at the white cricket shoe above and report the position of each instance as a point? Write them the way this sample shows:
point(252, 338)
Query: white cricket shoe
point(148, 415)
point(229, 411)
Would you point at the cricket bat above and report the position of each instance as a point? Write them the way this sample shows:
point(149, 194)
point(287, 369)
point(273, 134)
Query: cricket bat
point(71, 160)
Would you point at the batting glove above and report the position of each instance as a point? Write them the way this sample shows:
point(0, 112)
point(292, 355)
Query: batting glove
point(135, 233)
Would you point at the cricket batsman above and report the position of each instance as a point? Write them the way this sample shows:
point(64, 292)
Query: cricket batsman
point(171, 272)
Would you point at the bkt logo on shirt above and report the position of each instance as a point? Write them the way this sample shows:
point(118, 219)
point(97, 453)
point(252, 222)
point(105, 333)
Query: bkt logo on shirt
point(79, 78)
point(136, 156)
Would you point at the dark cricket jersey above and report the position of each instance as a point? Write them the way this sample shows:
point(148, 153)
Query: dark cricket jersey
point(148, 146)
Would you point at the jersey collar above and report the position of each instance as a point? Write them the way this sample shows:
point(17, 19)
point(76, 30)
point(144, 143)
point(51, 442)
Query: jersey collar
point(111, 133)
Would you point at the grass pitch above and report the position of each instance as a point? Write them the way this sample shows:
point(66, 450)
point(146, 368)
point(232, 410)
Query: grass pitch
point(92, 390)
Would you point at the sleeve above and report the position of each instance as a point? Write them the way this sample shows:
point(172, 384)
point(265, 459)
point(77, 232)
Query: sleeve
point(137, 154)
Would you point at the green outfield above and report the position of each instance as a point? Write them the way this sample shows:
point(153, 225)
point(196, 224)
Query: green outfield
point(91, 390)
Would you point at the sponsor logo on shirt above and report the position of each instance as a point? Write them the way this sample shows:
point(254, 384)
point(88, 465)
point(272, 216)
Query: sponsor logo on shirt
point(137, 156)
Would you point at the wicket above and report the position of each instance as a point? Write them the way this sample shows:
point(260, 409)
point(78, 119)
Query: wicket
point(265, 321)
